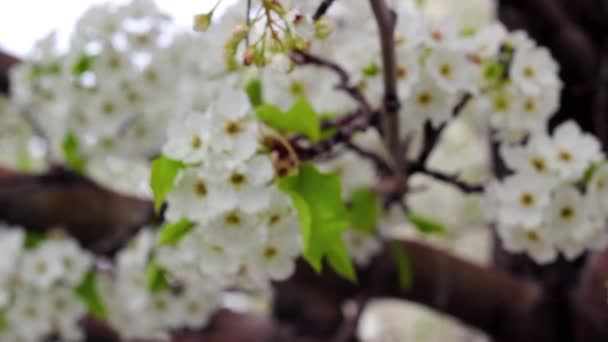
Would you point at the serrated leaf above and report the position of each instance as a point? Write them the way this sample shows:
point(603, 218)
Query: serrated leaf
point(88, 293)
point(156, 278)
point(33, 240)
point(402, 262)
point(427, 225)
point(73, 154)
point(162, 178)
point(173, 232)
point(340, 261)
point(83, 64)
point(323, 216)
point(364, 210)
point(254, 91)
point(300, 118)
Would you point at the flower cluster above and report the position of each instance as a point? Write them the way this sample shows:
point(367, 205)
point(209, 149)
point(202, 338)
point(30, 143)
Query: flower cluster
point(37, 298)
point(555, 200)
point(135, 311)
point(114, 89)
point(245, 231)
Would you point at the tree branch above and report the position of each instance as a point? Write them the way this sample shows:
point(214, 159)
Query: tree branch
point(303, 58)
point(100, 219)
point(322, 9)
point(6, 62)
point(389, 118)
point(494, 302)
point(452, 179)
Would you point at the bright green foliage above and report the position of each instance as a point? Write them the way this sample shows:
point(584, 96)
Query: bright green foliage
point(254, 91)
point(403, 264)
point(468, 31)
point(40, 70)
point(364, 210)
point(33, 240)
point(372, 69)
point(590, 172)
point(323, 217)
point(73, 154)
point(426, 225)
point(162, 178)
point(3, 322)
point(173, 232)
point(88, 293)
point(300, 118)
point(83, 64)
point(340, 261)
point(493, 71)
point(156, 278)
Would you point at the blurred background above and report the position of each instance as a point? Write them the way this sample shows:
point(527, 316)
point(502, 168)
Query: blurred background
point(24, 22)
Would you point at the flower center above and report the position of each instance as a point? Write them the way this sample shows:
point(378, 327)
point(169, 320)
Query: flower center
point(232, 219)
point(201, 189)
point(566, 213)
point(565, 156)
point(527, 199)
point(530, 105)
point(196, 142)
point(538, 164)
point(234, 127)
point(424, 99)
point(446, 70)
point(270, 252)
point(533, 236)
point(529, 72)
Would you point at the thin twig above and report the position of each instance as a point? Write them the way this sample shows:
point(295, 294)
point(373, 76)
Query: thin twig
point(452, 179)
point(355, 122)
point(432, 134)
point(303, 58)
point(381, 165)
point(322, 9)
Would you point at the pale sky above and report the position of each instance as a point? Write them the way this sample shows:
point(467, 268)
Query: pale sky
point(22, 22)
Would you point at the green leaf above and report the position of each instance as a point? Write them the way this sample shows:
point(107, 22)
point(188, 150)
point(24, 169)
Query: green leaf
point(83, 64)
point(403, 264)
point(73, 154)
point(427, 225)
point(341, 262)
point(87, 292)
point(40, 70)
point(173, 232)
point(300, 118)
point(162, 178)
point(590, 172)
point(33, 240)
point(364, 210)
point(3, 322)
point(372, 69)
point(254, 91)
point(493, 71)
point(468, 31)
point(323, 216)
point(156, 278)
